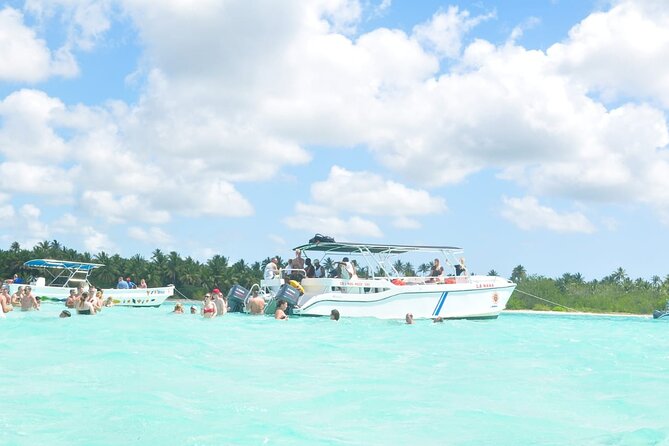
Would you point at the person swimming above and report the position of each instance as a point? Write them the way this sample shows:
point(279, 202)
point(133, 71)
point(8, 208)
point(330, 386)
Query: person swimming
point(334, 315)
point(281, 307)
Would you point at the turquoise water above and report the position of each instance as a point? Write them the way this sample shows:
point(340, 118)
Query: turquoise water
point(145, 376)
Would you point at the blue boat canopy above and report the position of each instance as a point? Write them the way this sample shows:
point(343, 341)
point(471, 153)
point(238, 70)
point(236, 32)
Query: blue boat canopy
point(61, 264)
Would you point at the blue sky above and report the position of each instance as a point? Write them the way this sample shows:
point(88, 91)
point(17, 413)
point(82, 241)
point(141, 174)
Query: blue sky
point(530, 133)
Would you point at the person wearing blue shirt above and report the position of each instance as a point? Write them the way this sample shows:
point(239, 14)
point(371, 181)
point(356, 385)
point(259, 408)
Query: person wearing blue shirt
point(122, 284)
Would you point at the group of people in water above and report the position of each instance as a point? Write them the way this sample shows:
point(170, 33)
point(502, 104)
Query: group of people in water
point(86, 302)
point(23, 298)
point(216, 304)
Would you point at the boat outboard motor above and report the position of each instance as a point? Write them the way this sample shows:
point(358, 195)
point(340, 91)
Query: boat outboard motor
point(289, 294)
point(237, 298)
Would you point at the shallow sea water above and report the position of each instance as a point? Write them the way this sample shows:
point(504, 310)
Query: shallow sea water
point(145, 376)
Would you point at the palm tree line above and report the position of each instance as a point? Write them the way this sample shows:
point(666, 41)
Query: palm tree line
point(616, 292)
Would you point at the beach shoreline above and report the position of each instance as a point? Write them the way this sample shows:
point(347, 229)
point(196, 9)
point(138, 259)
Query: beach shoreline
point(576, 313)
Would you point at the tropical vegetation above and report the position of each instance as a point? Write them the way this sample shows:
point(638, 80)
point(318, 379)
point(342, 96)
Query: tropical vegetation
point(616, 292)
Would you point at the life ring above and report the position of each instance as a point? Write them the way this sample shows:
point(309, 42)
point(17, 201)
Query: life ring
point(295, 284)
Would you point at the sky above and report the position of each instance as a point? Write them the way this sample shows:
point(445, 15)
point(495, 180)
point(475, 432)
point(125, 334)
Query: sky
point(530, 133)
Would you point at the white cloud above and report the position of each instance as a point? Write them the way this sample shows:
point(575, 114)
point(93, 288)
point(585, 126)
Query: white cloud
point(33, 179)
point(121, 209)
point(621, 52)
point(95, 241)
point(444, 32)
point(368, 193)
point(314, 219)
point(527, 214)
point(153, 235)
point(27, 127)
point(25, 57)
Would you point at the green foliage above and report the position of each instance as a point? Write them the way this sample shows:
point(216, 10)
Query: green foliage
point(192, 278)
point(615, 293)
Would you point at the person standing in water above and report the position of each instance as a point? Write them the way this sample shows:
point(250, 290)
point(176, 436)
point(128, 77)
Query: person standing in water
point(28, 300)
point(256, 304)
point(281, 307)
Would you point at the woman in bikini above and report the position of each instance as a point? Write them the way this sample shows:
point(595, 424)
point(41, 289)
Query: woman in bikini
point(84, 306)
point(208, 308)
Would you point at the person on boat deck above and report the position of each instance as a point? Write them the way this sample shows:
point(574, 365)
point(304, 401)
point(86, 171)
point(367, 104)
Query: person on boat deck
point(256, 304)
point(71, 300)
point(122, 284)
point(142, 283)
point(460, 268)
point(17, 279)
point(219, 301)
point(298, 266)
point(208, 307)
point(319, 271)
point(281, 307)
point(288, 270)
point(16, 297)
point(85, 306)
point(131, 284)
point(271, 270)
point(345, 269)
point(309, 268)
point(436, 271)
point(28, 301)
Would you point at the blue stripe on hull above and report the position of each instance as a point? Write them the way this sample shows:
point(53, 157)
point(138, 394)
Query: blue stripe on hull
point(440, 304)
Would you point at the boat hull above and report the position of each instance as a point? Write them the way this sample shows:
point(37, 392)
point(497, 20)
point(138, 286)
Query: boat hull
point(476, 298)
point(136, 297)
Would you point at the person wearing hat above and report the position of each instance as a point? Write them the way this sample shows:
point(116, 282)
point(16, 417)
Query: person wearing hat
point(220, 302)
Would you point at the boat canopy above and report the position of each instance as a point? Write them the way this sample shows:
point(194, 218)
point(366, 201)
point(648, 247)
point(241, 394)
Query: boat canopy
point(366, 248)
point(61, 264)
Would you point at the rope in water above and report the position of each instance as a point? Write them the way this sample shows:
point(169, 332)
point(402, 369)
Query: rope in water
point(546, 300)
point(182, 294)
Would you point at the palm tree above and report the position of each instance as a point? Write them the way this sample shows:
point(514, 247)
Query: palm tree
point(328, 265)
point(425, 268)
point(15, 247)
point(518, 274)
point(656, 281)
point(399, 266)
point(619, 276)
point(492, 272)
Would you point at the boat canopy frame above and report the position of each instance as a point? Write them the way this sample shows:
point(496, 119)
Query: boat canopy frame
point(381, 256)
point(64, 272)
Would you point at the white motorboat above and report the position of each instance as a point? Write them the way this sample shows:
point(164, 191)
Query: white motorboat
point(65, 275)
point(388, 293)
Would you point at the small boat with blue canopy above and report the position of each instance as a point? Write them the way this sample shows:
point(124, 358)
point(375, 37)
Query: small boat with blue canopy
point(60, 276)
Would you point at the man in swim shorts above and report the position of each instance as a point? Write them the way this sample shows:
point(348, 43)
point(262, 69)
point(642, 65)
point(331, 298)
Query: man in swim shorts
point(256, 304)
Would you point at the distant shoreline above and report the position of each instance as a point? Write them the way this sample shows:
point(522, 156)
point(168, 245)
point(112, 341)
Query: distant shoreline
point(577, 313)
